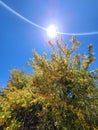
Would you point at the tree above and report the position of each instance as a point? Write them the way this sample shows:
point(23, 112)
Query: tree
point(61, 94)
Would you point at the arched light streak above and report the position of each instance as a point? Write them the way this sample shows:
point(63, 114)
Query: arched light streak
point(41, 27)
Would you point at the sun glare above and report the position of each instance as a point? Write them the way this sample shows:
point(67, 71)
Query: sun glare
point(52, 31)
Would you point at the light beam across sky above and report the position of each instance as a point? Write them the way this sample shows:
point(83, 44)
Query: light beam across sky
point(43, 28)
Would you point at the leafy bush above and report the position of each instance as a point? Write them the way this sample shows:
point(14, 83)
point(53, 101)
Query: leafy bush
point(62, 94)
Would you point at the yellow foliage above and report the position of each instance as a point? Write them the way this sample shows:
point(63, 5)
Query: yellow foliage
point(60, 95)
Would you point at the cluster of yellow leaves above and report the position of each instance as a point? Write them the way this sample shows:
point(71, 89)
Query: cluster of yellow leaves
point(63, 87)
point(12, 99)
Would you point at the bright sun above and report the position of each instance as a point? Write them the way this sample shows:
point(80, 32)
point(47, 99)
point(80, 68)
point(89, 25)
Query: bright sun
point(52, 31)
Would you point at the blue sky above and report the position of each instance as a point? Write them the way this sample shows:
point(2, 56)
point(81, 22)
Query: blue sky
point(18, 38)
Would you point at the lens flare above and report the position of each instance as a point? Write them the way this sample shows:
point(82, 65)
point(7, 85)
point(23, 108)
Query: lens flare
point(52, 32)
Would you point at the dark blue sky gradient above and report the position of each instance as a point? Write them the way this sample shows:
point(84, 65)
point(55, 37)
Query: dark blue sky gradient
point(18, 38)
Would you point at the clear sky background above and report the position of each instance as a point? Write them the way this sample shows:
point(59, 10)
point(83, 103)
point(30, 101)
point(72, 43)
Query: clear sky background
point(18, 38)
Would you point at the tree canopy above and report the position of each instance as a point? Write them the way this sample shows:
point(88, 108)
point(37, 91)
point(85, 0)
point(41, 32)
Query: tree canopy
point(61, 94)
